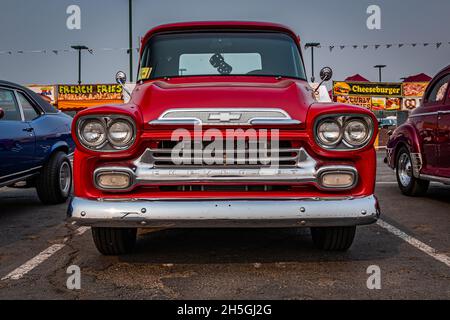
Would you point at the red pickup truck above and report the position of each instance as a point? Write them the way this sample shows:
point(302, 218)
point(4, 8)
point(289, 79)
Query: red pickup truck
point(223, 130)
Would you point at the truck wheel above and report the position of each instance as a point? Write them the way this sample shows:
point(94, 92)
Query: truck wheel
point(333, 238)
point(408, 184)
point(55, 180)
point(114, 241)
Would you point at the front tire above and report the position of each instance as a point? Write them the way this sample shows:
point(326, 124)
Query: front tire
point(114, 241)
point(333, 238)
point(55, 180)
point(408, 184)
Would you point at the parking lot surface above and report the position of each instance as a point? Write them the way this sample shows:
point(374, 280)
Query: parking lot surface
point(410, 245)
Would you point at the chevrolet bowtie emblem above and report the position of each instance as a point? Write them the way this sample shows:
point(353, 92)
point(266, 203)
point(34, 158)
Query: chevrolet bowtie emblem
point(224, 116)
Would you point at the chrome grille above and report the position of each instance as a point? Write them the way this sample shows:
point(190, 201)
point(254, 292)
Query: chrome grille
point(284, 155)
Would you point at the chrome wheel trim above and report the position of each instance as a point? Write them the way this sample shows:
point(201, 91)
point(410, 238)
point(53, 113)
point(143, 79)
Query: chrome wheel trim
point(404, 170)
point(65, 178)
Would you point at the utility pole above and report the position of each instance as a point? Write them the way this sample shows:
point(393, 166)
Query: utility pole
point(130, 30)
point(312, 45)
point(79, 48)
point(380, 67)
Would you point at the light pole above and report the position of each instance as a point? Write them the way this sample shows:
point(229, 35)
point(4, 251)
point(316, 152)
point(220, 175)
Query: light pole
point(79, 48)
point(130, 35)
point(380, 67)
point(312, 45)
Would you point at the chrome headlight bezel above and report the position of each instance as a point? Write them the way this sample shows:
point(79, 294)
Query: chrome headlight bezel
point(109, 145)
point(344, 120)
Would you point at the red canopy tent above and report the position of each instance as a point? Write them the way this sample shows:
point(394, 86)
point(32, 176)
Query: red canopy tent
point(356, 78)
point(421, 77)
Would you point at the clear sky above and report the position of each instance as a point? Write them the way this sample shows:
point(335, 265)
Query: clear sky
point(41, 24)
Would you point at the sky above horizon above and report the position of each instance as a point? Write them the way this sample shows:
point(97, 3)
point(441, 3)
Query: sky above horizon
point(36, 25)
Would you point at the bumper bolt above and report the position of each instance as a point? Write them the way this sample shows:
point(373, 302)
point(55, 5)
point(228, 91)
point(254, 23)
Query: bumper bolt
point(83, 213)
point(143, 210)
point(364, 212)
point(302, 209)
point(143, 223)
point(303, 222)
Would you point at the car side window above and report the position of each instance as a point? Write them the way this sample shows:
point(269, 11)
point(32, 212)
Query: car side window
point(439, 90)
point(29, 111)
point(9, 106)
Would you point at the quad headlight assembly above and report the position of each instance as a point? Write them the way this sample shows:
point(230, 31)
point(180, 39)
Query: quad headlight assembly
point(108, 133)
point(343, 132)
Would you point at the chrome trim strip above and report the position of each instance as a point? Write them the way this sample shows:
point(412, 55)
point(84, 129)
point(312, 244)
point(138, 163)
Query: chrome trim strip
point(18, 179)
point(424, 114)
point(256, 120)
point(435, 178)
point(224, 213)
point(281, 122)
point(15, 174)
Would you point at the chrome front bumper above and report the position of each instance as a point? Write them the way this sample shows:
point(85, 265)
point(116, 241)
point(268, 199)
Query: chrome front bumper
point(142, 213)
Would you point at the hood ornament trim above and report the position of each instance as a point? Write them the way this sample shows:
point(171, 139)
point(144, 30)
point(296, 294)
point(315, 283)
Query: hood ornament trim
point(225, 116)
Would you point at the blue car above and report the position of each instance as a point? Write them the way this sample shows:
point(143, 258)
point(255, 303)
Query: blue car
point(35, 144)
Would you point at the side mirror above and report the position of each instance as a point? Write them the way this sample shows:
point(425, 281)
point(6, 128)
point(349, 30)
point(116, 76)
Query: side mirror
point(325, 75)
point(121, 78)
point(2, 113)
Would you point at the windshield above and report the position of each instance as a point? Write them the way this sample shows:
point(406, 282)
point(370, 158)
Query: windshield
point(221, 53)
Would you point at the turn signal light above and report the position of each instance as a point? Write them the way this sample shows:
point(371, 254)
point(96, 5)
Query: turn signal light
point(337, 180)
point(113, 180)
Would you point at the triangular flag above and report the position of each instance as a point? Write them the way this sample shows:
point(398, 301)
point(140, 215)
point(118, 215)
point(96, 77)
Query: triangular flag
point(355, 47)
point(425, 44)
point(55, 51)
point(377, 46)
point(331, 48)
point(400, 45)
point(414, 44)
point(438, 45)
point(342, 47)
point(388, 46)
point(365, 46)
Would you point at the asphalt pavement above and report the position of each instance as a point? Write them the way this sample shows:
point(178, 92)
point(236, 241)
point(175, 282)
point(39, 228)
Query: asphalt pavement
point(410, 246)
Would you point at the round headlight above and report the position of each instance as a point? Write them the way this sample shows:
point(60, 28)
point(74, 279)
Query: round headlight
point(120, 133)
point(329, 132)
point(93, 133)
point(356, 132)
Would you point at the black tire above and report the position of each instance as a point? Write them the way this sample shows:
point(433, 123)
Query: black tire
point(48, 185)
point(114, 241)
point(333, 238)
point(412, 187)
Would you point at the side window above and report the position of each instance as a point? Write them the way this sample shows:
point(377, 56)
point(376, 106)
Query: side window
point(9, 105)
point(29, 111)
point(439, 90)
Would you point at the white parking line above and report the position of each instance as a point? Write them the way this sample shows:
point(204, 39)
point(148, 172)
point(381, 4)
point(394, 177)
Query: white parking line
point(19, 272)
point(415, 243)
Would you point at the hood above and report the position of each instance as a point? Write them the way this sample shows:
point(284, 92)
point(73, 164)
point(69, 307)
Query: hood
point(156, 97)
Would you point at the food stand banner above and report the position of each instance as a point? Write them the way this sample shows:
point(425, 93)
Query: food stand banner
point(48, 92)
point(380, 96)
point(72, 97)
point(373, 89)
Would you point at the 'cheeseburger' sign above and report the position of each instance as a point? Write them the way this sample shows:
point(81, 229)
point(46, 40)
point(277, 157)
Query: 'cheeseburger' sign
point(367, 89)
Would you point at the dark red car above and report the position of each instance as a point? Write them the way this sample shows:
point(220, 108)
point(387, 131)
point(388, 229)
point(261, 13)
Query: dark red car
point(419, 150)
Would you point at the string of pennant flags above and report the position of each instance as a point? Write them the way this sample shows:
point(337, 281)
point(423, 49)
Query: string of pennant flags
point(331, 47)
point(58, 51)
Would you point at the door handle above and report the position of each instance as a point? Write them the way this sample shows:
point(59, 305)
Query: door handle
point(28, 129)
